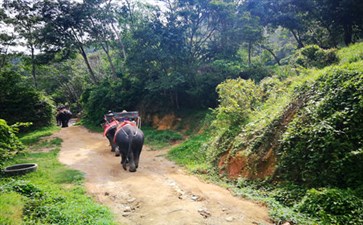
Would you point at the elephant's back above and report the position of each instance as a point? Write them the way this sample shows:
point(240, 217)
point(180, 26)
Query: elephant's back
point(125, 132)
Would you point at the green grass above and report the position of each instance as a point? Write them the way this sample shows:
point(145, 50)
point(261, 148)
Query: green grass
point(191, 154)
point(35, 136)
point(351, 54)
point(158, 139)
point(12, 205)
point(53, 194)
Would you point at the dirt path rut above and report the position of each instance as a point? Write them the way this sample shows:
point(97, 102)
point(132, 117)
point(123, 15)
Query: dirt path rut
point(159, 193)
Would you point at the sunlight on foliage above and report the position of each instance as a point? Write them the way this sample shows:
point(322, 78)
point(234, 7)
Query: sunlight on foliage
point(237, 98)
point(10, 144)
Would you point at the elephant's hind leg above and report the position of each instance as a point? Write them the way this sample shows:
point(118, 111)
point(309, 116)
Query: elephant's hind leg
point(123, 160)
point(117, 151)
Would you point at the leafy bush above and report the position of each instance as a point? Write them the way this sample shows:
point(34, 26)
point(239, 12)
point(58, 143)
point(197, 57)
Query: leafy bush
point(9, 142)
point(108, 95)
point(271, 87)
point(313, 56)
point(289, 194)
point(323, 145)
point(256, 73)
point(333, 206)
point(21, 103)
point(237, 98)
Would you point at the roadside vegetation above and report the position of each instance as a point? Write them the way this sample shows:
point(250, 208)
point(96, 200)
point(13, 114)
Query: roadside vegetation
point(317, 175)
point(157, 140)
point(53, 194)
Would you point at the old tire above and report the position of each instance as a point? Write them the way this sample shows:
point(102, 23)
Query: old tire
point(20, 169)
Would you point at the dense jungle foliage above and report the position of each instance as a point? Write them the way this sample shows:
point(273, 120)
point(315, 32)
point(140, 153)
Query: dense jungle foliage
point(283, 79)
point(170, 56)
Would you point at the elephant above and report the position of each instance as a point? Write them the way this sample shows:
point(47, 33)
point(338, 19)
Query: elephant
point(63, 116)
point(109, 132)
point(129, 140)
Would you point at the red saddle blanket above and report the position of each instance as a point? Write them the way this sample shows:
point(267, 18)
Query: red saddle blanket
point(108, 126)
point(122, 124)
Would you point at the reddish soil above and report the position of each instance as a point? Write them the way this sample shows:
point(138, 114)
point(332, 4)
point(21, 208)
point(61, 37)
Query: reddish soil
point(159, 192)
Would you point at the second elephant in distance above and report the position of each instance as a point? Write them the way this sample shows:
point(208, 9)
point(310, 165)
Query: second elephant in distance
point(130, 140)
point(63, 116)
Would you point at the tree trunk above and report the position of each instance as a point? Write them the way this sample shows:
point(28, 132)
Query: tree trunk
point(299, 42)
point(348, 34)
point(33, 68)
point(84, 55)
point(130, 12)
point(177, 100)
point(249, 53)
point(106, 50)
point(122, 46)
point(272, 53)
point(332, 37)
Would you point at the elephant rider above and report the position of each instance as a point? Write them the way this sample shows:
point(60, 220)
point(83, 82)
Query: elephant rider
point(109, 117)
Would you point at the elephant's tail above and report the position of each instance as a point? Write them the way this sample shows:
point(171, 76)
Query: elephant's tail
point(131, 136)
point(129, 150)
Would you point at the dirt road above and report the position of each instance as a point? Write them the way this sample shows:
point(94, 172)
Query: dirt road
point(159, 193)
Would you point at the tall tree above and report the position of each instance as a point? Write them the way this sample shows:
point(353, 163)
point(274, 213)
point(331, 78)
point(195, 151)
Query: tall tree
point(157, 58)
point(6, 40)
point(26, 20)
point(342, 15)
point(101, 30)
point(65, 28)
point(282, 13)
point(313, 21)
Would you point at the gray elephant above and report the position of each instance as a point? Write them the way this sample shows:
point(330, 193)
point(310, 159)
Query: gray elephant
point(129, 140)
point(63, 116)
point(109, 130)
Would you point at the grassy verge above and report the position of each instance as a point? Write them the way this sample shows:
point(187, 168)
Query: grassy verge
point(35, 136)
point(53, 194)
point(191, 154)
point(158, 139)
